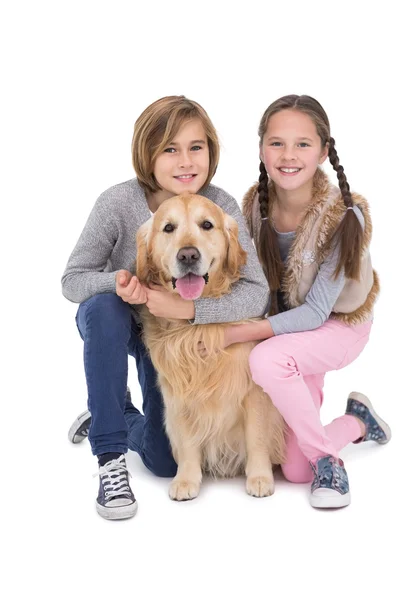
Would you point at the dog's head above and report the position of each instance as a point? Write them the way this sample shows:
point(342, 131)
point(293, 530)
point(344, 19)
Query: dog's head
point(190, 242)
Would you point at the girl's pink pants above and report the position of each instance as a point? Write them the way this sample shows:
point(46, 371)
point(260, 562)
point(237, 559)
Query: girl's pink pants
point(291, 368)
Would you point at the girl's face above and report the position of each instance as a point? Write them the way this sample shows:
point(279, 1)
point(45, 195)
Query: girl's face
point(184, 164)
point(291, 149)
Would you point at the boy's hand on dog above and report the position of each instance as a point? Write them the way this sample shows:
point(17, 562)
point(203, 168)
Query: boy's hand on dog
point(161, 303)
point(129, 288)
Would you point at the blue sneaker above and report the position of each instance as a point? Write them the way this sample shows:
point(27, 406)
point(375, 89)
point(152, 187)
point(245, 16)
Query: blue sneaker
point(376, 429)
point(116, 499)
point(330, 488)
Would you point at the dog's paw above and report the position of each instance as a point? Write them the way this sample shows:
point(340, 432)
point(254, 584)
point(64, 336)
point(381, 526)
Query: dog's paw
point(260, 486)
point(183, 490)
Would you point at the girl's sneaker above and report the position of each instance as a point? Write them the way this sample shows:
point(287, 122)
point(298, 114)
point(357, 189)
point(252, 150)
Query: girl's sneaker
point(116, 499)
point(376, 429)
point(330, 487)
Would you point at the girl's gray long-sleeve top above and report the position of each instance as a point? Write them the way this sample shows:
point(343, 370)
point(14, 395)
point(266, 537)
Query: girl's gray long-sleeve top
point(322, 296)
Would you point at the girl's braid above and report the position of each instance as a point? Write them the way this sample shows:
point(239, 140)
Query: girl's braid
point(349, 234)
point(343, 184)
point(263, 191)
point(268, 248)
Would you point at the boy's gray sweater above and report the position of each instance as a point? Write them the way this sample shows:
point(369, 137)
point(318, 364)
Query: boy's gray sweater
point(108, 244)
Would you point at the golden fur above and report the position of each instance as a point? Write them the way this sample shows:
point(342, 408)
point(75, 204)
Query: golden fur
point(217, 419)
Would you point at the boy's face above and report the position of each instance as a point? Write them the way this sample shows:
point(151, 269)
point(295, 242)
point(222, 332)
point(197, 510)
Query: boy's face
point(184, 164)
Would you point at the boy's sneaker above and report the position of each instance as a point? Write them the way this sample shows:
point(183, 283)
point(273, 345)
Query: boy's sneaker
point(376, 429)
point(330, 488)
point(116, 499)
point(79, 429)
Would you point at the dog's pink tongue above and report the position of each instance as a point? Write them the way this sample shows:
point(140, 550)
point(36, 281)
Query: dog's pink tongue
point(190, 287)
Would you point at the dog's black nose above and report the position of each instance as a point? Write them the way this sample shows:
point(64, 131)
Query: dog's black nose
point(188, 255)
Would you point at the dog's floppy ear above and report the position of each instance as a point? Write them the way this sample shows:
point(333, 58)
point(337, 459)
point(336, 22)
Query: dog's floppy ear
point(142, 258)
point(236, 256)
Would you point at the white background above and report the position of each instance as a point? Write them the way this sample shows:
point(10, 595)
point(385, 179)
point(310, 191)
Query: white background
point(75, 77)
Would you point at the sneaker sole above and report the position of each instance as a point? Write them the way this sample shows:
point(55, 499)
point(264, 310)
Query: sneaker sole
point(73, 435)
point(365, 400)
point(118, 512)
point(330, 499)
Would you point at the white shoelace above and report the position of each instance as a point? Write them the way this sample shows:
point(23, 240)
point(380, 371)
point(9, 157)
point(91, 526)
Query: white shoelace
point(119, 472)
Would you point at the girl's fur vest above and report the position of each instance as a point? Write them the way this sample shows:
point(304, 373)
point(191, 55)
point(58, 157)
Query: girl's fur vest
point(307, 252)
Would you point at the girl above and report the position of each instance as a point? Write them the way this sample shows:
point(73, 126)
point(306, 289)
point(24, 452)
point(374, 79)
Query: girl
point(312, 239)
point(175, 149)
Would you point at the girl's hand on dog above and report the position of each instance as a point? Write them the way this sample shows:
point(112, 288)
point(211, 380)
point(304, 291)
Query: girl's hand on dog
point(161, 303)
point(129, 288)
point(248, 332)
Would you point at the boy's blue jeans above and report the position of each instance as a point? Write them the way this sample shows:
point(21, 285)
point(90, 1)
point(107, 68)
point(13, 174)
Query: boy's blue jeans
point(110, 333)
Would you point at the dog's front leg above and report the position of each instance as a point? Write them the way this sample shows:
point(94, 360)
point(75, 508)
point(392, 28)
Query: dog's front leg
point(186, 484)
point(260, 479)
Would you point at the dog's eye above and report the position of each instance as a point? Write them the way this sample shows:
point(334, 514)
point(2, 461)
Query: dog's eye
point(207, 225)
point(169, 228)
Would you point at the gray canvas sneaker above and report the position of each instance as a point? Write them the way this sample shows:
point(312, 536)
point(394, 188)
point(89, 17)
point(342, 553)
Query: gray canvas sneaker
point(115, 499)
point(79, 429)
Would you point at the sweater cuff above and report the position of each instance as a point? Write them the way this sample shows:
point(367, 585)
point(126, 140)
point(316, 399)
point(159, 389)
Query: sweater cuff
point(206, 311)
point(274, 324)
point(108, 283)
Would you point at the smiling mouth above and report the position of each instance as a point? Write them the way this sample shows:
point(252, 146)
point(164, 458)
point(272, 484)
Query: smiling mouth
point(289, 170)
point(185, 177)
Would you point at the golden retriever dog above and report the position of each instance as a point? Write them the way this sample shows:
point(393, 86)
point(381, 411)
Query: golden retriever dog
point(217, 419)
